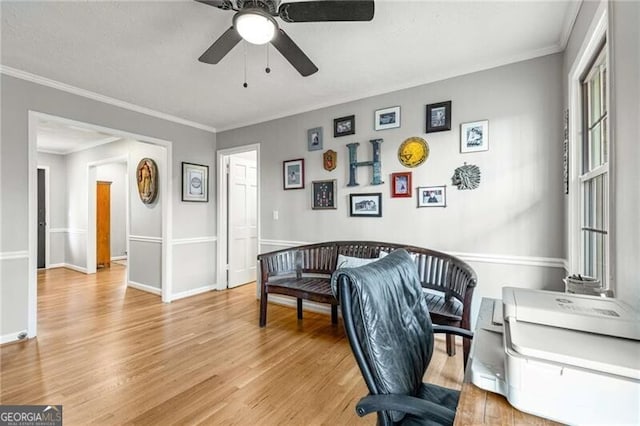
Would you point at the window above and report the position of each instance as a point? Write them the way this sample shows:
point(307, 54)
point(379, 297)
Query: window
point(594, 170)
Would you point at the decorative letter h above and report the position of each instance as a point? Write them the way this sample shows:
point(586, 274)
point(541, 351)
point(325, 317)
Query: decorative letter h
point(376, 164)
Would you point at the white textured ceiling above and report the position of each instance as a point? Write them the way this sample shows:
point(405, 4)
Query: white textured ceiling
point(60, 138)
point(145, 52)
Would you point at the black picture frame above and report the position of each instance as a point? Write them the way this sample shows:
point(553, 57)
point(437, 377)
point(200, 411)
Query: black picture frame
point(344, 126)
point(293, 174)
point(365, 205)
point(323, 194)
point(438, 117)
point(195, 182)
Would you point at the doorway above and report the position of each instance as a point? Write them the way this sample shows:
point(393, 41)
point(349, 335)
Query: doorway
point(103, 224)
point(238, 215)
point(82, 232)
point(43, 217)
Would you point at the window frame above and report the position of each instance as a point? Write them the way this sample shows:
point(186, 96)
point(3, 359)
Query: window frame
point(595, 46)
point(588, 173)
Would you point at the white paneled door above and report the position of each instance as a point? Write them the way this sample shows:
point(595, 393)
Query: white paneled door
point(243, 236)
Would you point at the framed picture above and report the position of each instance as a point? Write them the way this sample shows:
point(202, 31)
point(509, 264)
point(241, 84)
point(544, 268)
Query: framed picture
point(323, 194)
point(401, 184)
point(195, 182)
point(438, 117)
point(293, 174)
point(365, 205)
point(474, 136)
point(344, 126)
point(387, 118)
point(432, 196)
point(314, 139)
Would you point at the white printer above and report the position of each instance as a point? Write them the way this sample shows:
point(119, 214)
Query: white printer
point(570, 358)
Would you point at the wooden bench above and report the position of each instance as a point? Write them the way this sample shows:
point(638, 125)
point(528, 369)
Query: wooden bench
point(304, 272)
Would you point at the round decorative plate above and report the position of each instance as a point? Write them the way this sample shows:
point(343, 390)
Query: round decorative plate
point(413, 152)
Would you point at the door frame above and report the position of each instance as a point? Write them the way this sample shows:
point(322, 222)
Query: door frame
point(47, 218)
point(222, 215)
point(165, 175)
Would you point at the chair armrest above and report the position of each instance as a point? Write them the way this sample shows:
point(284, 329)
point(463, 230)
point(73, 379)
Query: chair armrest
point(406, 404)
point(452, 330)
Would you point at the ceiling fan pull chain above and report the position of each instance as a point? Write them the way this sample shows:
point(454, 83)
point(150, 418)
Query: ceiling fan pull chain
point(267, 69)
point(244, 43)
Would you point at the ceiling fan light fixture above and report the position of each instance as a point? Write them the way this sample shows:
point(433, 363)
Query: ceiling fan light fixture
point(255, 26)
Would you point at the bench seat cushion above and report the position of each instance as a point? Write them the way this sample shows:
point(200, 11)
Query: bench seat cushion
point(317, 289)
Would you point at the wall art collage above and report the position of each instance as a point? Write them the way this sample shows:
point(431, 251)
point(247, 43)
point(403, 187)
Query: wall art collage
point(412, 152)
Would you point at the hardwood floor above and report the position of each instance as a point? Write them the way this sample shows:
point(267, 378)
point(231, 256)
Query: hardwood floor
point(115, 355)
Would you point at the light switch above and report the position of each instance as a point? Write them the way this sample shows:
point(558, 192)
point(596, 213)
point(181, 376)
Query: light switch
point(275, 215)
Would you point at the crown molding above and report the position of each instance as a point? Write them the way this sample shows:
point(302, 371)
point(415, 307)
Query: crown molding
point(569, 21)
point(23, 75)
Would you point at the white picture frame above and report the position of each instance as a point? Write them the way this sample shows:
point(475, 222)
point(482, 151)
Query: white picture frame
point(387, 118)
point(432, 196)
point(474, 136)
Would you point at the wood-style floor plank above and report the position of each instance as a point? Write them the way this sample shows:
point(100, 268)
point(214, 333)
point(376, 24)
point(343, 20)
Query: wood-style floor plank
point(115, 355)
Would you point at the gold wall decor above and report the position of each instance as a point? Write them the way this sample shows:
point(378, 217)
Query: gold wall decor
point(329, 159)
point(147, 178)
point(413, 152)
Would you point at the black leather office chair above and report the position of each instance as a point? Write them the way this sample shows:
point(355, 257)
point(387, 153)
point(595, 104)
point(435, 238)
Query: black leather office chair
point(387, 323)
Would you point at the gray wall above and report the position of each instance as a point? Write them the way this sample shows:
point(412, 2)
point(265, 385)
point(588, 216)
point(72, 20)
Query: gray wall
point(116, 173)
point(503, 228)
point(145, 239)
point(624, 24)
point(20, 96)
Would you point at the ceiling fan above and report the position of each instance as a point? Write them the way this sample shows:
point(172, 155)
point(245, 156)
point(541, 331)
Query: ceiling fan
point(255, 22)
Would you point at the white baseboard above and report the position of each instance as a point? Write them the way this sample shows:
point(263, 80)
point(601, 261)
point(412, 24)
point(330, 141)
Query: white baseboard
point(193, 292)
point(144, 287)
point(11, 337)
point(68, 266)
point(119, 257)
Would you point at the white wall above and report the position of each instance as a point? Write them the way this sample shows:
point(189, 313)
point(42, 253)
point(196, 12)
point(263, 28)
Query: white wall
point(78, 196)
point(510, 229)
point(116, 173)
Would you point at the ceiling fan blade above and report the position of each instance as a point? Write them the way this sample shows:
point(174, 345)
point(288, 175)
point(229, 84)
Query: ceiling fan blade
point(221, 47)
point(293, 53)
point(325, 10)
point(222, 4)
